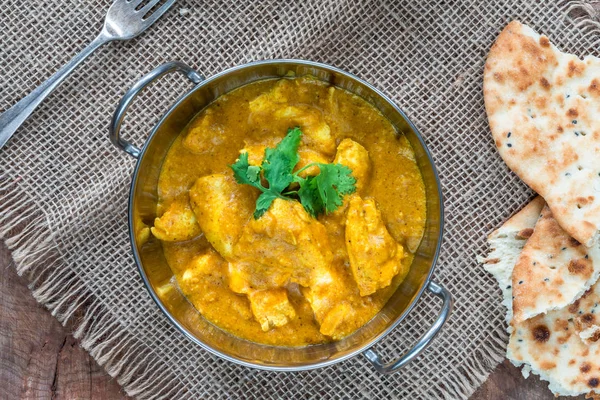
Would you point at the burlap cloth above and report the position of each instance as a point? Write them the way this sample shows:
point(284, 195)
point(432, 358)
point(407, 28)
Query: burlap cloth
point(64, 187)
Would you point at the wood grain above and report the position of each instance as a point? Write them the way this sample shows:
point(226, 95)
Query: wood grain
point(507, 383)
point(38, 358)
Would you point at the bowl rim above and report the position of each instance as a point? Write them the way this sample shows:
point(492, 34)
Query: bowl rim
point(279, 368)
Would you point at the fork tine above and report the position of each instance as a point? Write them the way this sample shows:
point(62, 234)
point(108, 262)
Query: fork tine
point(135, 3)
point(144, 10)
point(159, 12)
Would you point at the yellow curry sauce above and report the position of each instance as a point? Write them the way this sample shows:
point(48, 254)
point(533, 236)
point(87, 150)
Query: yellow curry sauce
point(294, 310)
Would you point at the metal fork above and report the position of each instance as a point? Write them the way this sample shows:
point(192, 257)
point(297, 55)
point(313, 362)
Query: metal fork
point(125, 20)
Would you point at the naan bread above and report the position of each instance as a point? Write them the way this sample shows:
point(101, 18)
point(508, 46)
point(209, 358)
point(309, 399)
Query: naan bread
point(552, 346)
point(552, 271)
point(506, 244)
point(543, 106)
point(562, 346)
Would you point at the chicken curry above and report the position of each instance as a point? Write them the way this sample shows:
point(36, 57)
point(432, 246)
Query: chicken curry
point(289, 211)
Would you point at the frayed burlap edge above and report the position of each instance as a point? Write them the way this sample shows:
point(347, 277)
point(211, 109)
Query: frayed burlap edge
point(584, 16)
point(27, 234)
point(24, 229)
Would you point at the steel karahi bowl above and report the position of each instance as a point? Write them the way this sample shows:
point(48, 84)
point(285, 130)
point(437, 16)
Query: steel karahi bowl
point(154, 269)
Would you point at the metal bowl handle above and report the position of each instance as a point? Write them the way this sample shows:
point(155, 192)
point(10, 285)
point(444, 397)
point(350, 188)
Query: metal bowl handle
point(423, 342)
point(119, 115)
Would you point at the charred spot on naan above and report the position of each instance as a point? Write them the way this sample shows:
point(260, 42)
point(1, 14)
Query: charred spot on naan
point(541, 333)
point(593, 396)
point(585, 367)
point(544, 83)
point(581, 267)
point(525, 233)
point(584, 321)
point(594, 88)
point(573, 308)
point(575, 68)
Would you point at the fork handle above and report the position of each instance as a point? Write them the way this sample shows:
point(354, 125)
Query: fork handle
point(12, 118)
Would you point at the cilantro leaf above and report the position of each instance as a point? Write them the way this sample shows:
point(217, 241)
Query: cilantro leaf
point(325, 192)
point(263, 203)
point(253, 173)
point(334, 181)
point(318, 194)
point(310, 198)
point(279, 162)
point(241, 171)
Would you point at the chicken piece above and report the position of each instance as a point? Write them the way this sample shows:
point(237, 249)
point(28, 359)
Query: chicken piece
point(271, 308)
point(222, 208)
point(308, 156)
point(284, 245)
point(178, 223)
point(280, 103)
point(268, 102)
point(204, 264)
point(375, 257)
point(203, 282)
point(240, 277)
point(142, 231)
point(201, 273)
point(326, 290)
point(328, 297)
point(245, 276)
point(256, 151)
point(204, 133)
point(316, 132)
point(335, 324)
point(355, 157)
point(287, 91)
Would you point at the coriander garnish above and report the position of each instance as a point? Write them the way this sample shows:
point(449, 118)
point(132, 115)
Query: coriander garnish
point(322, 193)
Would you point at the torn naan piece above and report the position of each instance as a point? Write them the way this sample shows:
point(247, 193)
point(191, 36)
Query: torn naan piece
point(542, 106)
point(552, 271)
point(554, 346)
point(506, 244)
point(561, 346)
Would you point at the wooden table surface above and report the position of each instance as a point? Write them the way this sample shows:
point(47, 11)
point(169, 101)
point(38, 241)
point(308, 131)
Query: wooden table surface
point(39, 359)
